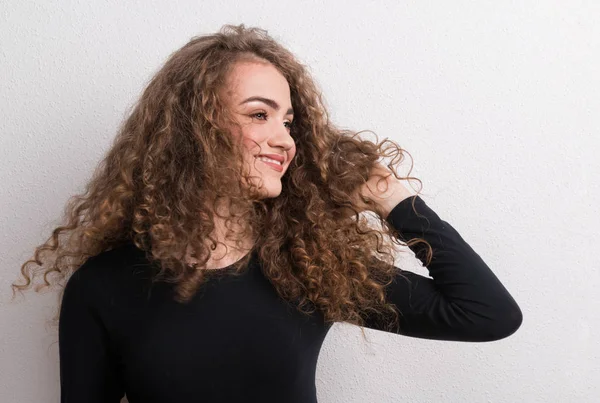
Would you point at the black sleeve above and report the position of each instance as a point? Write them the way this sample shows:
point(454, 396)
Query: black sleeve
point(87, 369)
point(464, 300)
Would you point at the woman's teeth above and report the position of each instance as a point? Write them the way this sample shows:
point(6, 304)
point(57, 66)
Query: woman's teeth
point(269, 160)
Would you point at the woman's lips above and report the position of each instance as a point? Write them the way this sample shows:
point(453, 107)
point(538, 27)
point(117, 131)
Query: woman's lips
point(274, 165)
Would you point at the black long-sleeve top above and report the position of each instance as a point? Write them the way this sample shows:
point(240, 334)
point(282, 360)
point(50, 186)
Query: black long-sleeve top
point(237, 340)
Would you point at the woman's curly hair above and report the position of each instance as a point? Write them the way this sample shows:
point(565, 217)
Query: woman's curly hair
point(175, 156)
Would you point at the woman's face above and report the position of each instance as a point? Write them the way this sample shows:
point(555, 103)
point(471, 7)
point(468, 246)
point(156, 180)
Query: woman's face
point(258, 96)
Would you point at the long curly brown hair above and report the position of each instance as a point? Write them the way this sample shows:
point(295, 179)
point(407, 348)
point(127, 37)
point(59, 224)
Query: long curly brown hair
point(175, 156)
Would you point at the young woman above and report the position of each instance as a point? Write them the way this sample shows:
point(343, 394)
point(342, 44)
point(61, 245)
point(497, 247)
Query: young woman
point(220, 239)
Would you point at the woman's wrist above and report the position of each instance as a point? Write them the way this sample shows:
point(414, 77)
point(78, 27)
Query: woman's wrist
point(396, 193)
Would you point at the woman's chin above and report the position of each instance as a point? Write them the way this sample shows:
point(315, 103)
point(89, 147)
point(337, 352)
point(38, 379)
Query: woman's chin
point(271, 190)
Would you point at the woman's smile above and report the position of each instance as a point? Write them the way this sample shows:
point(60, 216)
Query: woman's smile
point(271, 163)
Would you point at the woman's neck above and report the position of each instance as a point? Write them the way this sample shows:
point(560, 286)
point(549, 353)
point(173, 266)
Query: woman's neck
point(227, 251)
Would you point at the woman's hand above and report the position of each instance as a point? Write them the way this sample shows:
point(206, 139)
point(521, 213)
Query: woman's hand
point(381, 193)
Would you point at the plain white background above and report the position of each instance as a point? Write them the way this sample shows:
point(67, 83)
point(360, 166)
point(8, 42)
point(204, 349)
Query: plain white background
point(498, 103)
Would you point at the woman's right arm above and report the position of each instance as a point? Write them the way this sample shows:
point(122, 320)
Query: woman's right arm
point(87, 366)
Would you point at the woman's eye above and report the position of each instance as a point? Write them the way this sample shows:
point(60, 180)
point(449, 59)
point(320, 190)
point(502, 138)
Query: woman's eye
point(263, 116)
point(259, 115)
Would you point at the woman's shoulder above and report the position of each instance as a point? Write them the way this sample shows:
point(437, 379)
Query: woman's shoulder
point(112, 284)
point(120, 265)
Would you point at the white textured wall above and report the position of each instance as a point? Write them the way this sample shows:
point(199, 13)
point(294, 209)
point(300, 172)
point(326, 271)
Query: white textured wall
point(498, 102)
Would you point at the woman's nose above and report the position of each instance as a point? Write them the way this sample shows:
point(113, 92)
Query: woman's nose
point(282, 137)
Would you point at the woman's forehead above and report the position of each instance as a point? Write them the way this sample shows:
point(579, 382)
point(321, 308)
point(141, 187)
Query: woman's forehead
point(257, 79)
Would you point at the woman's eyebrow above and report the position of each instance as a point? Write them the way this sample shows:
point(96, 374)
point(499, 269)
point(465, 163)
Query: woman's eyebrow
point(267, 101)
